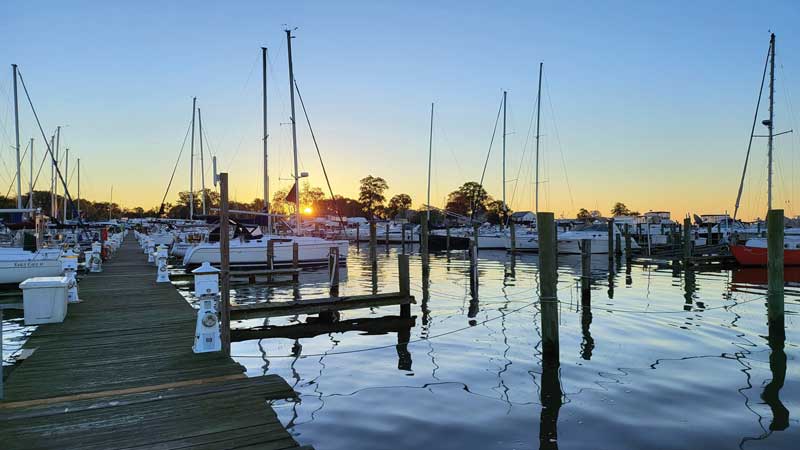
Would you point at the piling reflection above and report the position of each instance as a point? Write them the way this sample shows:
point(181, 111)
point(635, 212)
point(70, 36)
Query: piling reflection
point(777, 366)
point(689, 289)
point(551, 398)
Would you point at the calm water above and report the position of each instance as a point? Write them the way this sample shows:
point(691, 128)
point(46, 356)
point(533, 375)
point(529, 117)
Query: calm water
point(660, 359)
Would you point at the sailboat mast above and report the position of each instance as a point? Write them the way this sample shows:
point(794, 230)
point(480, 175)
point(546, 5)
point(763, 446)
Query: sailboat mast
point(79, 189)
point(16, 132)
point(202, 163)
point(294, 134)
point(265, 135)
point(66, 180)
point(769, 123)
point(538, 114)
point(505, 208)
point(54, 168)
point(430, 154)
point(30, 180)
point(191, 163)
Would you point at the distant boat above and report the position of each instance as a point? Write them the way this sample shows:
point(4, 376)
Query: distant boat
point(754, 251)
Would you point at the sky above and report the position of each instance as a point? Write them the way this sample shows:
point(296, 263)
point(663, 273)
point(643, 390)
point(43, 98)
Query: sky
point(647, 103)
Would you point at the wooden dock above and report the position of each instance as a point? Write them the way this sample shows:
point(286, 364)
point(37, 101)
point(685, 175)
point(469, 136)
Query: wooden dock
point(120, 373)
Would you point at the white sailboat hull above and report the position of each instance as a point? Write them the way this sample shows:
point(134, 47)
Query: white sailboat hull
point(311, 251)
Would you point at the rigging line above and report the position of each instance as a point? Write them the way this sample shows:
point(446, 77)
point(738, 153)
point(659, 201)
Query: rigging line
point(522, 158)
point(183, 145)
point(36, 179)
point(752, 131)
point(558, 140)
point(49, 149)
point(319, 154)
point(488, 153)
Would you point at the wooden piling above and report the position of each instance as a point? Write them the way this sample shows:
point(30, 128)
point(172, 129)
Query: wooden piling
point(423, 240)
point(709, 228)
point(548, 278)
point(687, 240)
point(333, 271)
point(295, 261)
point(628, 243)
point(475, 231)
point(405, 283)
point(513, 232)
point(610, 238)
point(270, 259)
point(775, 267)
point(618, 244)
point(358, 236)
point(447, 237)
point(225, 265)
point(373, 241)
point(386, 238)
point(586, 268)
point(403, 237)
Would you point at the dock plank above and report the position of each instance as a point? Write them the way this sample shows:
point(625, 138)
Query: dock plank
point(119, 373)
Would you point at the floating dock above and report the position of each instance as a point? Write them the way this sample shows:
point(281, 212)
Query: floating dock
point(119, 372)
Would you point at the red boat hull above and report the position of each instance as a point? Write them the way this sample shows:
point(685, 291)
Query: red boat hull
point(757, 256)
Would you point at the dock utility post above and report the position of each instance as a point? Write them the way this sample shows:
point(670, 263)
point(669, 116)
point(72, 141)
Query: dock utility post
point(161, 259)
point(333, 270)
point(69, 264)
point(775, 278)
point(207, 336)
point(97, 261)
point(548, 277)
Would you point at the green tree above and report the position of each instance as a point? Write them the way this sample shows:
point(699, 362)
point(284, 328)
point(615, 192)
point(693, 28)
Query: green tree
point(620, 209)
point(469, 199)
point(398, 204)
point(497, 212)
point(584, 214)
point(371, 193)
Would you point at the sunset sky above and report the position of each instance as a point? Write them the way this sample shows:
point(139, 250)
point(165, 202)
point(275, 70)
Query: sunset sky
point(648, 103)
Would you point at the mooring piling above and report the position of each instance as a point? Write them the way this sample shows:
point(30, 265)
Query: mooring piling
point(775, 280)
point(225, 265)
point(423, 241)
point(687, 240)
point(586, 269)
point(611, 239)
point(548, 278)
point(373, 241)
point(386, 237)
point(333, 271)
point(405, 283)
point(628, 244)
point(513, 233)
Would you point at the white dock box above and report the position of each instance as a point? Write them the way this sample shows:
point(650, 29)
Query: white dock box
point(44, 299)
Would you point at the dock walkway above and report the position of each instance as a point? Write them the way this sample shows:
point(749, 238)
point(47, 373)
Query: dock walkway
point(119, 372)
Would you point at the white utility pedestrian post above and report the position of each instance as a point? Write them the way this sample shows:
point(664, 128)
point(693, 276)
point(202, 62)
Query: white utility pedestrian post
point(97, 259)
point(206, 288)
point(69, 264)
point(161, 257)
point(151, 252)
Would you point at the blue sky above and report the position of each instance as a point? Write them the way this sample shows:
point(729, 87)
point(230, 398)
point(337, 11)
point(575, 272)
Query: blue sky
point(648, 103)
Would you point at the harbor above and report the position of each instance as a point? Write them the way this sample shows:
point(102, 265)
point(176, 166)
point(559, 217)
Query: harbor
point(380, 226)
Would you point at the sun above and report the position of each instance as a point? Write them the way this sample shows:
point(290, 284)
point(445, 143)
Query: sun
point(308, 210)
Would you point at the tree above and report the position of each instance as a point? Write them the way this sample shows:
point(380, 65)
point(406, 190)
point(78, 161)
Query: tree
point(620, 209)
point(584, 214)
point(371, 193)
point(497, 212)
point(398, 204)
point(469, 199)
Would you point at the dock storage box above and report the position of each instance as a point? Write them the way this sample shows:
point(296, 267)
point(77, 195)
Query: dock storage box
point(44, 299)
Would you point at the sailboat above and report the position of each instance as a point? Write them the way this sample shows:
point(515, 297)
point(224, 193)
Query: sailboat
point(248, 249)
point(754, 251)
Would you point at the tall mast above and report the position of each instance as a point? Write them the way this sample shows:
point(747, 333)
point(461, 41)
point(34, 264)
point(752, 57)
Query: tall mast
point(202, 163)
point(191, 163)
point(111, 203)
point(294, 135)
point(30, 180)
point(430, 153)
point(54, 204)
point(16, 131)
point(768, 122)
point(66, 180)
point(79, 189)
point(52, 171)
point(265, 135)
point(538, 114)
point(504, 152)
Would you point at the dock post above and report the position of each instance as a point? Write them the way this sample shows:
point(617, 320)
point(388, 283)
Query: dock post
point(447, 237)
point(386, 237)
point(610, 238)
point(475, 228)
point(403, 237)
point(687, 240)
point(775, 270)
point(225, 263)
point(423, 241)
point(373, 241)
point(333, 271)
point(709, 240)
point(295, 261)
point(628, 244)
point(513, 231)
point(405, 283)
point(586, 268)
point(548, 277)
point(358, 238)
point(618, 244)
point(270, 259)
